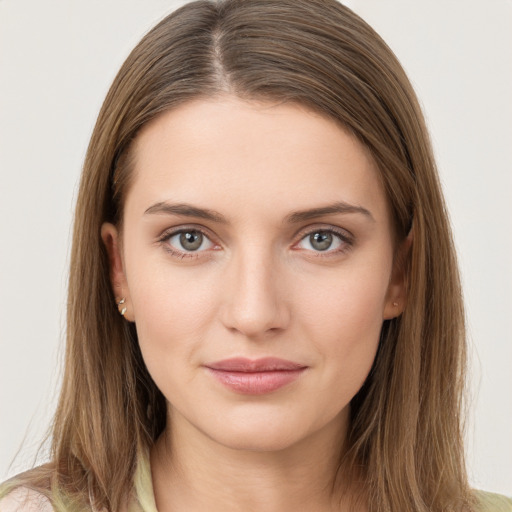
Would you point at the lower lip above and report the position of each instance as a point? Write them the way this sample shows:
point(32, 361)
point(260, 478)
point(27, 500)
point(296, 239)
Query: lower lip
point(256, 383)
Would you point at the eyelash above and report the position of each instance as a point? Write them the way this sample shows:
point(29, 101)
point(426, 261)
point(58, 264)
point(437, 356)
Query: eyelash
point(179, 254)
point(347, 242)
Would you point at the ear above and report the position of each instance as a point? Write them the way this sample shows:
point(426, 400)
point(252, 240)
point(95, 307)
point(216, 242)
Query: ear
point(111, 239)
point(396, 296)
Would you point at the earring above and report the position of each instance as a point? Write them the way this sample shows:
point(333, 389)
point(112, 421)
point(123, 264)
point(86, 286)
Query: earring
point(395, 304)
point(123, 309)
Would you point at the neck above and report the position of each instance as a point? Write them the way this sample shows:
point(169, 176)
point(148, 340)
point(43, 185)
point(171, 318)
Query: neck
point(193, 472)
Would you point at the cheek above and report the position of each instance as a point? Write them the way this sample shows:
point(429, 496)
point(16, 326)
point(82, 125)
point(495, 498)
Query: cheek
point(350, 300)
point(171, 314)
point(343, 319)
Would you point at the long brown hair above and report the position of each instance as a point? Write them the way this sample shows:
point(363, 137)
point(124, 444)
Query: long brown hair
point(405, 428)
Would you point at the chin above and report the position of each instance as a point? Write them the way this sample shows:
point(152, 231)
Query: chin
point(259, 432)
point(257, 440)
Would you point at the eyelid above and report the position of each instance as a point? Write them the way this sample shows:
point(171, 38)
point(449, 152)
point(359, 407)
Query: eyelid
point(329, 228)
point(346, 237)
point(171, 232)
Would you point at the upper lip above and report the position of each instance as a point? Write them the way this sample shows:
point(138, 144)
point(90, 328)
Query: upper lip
point(265, 364)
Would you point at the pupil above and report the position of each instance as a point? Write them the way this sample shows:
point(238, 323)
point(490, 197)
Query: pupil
point(321, 241)
point(191, 240)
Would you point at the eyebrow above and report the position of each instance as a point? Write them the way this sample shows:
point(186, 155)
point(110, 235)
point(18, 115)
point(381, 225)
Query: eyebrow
point(188, 210)
point(331, 209)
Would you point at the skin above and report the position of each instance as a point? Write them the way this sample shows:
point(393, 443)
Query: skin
point(258, 286)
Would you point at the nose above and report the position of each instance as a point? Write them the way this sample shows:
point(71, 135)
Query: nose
point(255, 302)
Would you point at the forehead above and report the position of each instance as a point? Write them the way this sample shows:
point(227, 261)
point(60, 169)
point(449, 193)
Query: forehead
point(226, 152)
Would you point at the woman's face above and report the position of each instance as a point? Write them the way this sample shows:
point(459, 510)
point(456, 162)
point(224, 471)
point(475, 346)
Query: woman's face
point(254, 230)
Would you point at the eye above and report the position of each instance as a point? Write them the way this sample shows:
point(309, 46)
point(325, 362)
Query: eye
point(325, 240)
point(188, 240)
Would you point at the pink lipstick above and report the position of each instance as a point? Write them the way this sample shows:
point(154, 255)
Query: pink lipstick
point(255, 377)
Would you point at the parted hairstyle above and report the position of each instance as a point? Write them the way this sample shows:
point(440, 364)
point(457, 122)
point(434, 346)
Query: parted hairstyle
point(406, 430)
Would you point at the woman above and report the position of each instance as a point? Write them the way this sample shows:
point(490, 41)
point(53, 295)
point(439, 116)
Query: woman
point(258, 318)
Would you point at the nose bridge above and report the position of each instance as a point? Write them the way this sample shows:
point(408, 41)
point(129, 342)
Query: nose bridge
point(254, 302)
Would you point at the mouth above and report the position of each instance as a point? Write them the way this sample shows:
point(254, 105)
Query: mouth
point(255, 377)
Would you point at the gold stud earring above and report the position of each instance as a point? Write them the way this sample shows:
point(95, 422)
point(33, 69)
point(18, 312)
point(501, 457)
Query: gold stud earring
point(123, 309)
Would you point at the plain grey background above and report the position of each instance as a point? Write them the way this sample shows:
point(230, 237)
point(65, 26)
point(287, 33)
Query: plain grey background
point(57, 60)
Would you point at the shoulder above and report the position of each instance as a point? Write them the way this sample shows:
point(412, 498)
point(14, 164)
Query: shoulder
point(23, 499)
point(490, 502)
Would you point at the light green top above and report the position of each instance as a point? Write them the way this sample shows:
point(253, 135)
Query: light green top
point(144, 496)
point(23, 500)
point(488, 502)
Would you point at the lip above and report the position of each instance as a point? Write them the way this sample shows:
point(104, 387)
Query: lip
point(255, 377)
